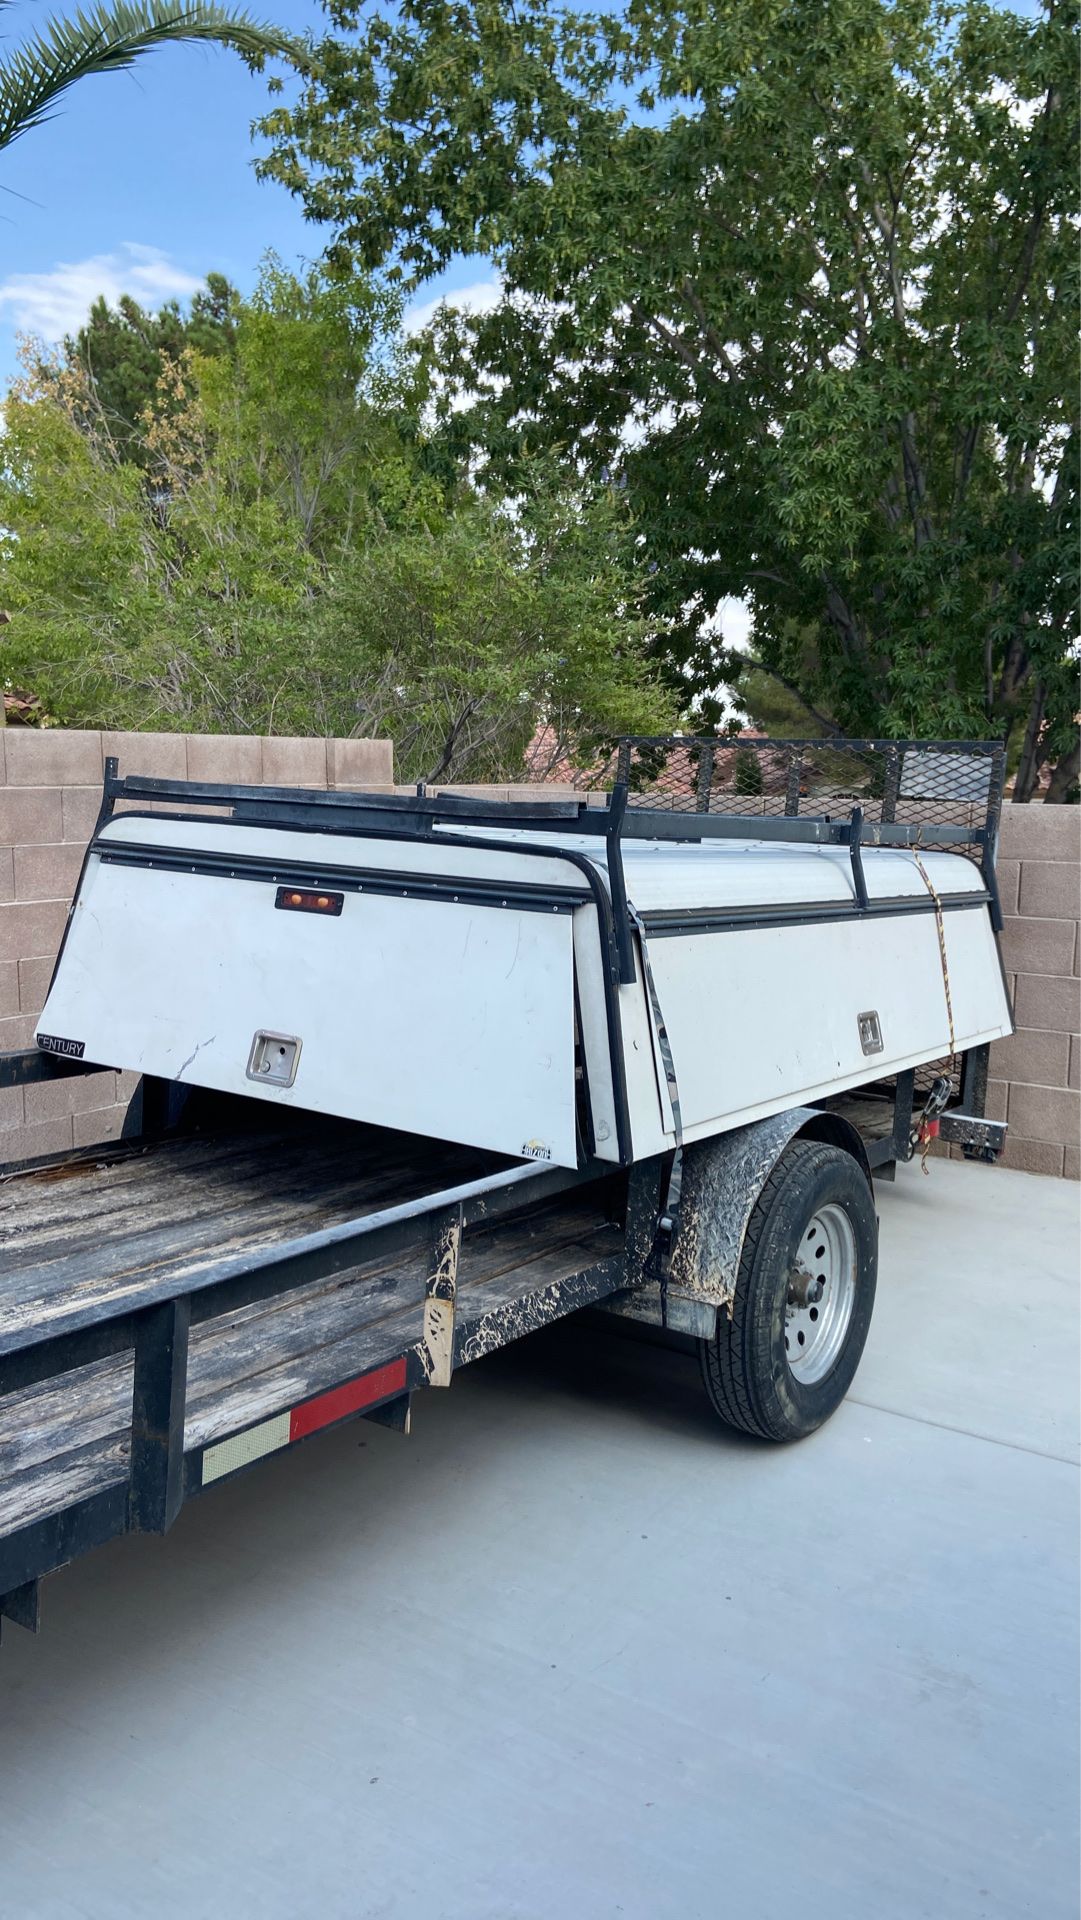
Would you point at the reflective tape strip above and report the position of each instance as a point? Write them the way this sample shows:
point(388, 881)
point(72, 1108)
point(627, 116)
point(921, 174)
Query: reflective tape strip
point(295, 1423)
point(356, 1394)
point(243, 1448)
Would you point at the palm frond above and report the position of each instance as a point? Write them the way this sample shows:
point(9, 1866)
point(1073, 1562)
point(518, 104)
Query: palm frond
point(110, 38)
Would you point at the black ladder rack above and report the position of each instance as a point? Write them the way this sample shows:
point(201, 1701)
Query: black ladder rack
point(671, 789)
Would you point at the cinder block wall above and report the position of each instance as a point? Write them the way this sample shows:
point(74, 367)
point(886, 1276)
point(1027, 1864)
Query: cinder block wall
point(50, 787)
point(1035, 1076)
point(50, 791)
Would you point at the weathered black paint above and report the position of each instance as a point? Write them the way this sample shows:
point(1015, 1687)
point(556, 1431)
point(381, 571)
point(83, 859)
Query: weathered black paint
point(156, 1487)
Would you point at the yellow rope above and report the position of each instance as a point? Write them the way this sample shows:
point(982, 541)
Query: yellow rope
point(929, 884)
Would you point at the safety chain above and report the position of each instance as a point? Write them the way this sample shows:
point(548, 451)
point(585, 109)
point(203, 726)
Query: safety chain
point(925, 1134)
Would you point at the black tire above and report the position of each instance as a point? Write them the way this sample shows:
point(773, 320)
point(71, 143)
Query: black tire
point(745, 1367)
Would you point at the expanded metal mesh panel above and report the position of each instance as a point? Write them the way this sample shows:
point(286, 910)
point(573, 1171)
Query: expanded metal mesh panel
point(948, 783)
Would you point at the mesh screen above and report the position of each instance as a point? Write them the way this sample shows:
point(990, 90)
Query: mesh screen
point(911, 782)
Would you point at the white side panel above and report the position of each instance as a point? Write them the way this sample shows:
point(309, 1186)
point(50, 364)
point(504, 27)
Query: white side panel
point(589, 967)
point(441, 1018)
point(764, 1019)
point(647, 1087)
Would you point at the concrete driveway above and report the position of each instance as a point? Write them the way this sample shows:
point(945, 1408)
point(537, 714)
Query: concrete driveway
point(572, 1651)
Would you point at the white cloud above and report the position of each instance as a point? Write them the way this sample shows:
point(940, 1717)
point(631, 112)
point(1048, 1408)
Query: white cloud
point(732, 620)
point(1023, 113)
point(55, 303)
point(479, 296)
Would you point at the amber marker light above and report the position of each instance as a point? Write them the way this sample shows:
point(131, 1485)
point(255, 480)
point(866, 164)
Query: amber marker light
point(301, 900)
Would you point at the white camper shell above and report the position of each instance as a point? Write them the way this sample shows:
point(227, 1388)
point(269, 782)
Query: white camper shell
point(551, 982)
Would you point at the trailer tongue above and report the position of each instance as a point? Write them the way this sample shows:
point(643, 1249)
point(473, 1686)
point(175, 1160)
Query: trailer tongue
point(419, 1075)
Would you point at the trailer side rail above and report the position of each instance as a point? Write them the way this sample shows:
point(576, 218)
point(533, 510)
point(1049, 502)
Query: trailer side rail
point(428, 1331)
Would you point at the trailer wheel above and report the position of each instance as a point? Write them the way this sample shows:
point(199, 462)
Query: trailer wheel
point(783, 1357)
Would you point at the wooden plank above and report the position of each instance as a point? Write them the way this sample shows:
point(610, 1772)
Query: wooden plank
point(144, 1252)
point(171, 1193)
point(240, 1373)
point(65, 1481)
point(358, 1351)
point(599, 1271)
point(63, 1416)
point(870, 1114)
point(61, 1441)
point(110, 1209)
point(59, 1198)
point(346, 1349)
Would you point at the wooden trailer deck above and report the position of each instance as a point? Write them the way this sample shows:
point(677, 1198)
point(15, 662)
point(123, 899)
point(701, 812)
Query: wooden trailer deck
point(92, 1239)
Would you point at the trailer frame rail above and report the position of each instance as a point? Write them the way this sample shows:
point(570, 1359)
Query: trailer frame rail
point(162, 1472)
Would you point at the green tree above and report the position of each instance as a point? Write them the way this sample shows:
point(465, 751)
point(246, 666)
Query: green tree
point(121, 352)
point(748, 780)
point(109, 39)
point(806, 273)
point(490, 643)
point(279, 550)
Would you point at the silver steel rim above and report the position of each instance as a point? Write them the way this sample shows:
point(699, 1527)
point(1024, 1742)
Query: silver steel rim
point(821, 1294)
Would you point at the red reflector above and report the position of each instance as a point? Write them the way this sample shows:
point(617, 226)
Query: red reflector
point(302, 900)
point(342, 1401)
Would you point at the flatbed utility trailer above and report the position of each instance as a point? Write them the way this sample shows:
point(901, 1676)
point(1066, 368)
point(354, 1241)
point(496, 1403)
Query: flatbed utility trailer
point(420, 1074)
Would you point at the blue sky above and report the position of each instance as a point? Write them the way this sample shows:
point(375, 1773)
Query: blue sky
point(144, 183)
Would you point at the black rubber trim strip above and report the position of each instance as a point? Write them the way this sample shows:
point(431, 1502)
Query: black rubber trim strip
point(663, 923)
point(389, 881)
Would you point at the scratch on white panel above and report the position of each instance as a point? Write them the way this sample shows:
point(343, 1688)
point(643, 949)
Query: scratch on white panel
point(203, 1043)
point(514, 956)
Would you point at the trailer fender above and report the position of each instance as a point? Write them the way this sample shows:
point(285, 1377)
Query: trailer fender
point(722, 1179)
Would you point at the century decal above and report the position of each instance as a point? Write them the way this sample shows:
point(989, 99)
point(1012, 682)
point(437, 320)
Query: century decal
point(67, 1049)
